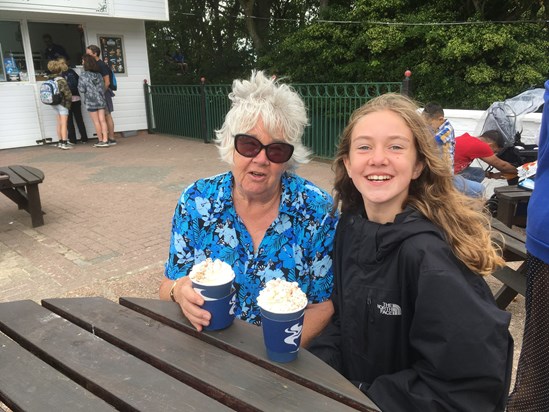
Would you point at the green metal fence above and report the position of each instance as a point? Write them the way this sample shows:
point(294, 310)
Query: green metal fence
point(196, 111)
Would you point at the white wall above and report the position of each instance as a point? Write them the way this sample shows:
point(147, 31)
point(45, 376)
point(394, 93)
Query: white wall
point(19, 120)
point(129, 103)
point(471, 121)
point(142, 9)
point(23, 119)
point(132, 9)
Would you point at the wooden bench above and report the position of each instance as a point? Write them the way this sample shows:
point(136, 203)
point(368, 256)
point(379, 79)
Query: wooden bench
point(20, 184)
point(514, 249)
point(509, 197)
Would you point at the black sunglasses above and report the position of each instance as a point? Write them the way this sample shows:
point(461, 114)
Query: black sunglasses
point(250, 146)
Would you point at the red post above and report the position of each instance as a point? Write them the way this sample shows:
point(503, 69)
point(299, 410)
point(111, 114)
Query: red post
point(407, 84)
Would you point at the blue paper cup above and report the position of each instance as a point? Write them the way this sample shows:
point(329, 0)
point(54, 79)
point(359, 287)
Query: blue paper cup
point(213, 291)
point(222, 311)
point(282, 334)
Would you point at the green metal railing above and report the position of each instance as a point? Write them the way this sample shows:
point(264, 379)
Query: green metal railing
point(197, 111)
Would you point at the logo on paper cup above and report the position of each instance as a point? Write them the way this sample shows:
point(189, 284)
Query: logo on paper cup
point(233, 305)
point(295, 332)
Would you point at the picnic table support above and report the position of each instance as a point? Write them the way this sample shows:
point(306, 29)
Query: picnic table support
point(514, 250)
point(514, 282)
point(21, 187)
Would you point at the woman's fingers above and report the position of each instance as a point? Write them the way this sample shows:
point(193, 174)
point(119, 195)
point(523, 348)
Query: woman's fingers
point(191, 303)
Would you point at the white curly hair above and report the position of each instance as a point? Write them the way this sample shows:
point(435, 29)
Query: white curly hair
point(278, 105)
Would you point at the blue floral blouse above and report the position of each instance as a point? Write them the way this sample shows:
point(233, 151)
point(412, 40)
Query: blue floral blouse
point(297, 246)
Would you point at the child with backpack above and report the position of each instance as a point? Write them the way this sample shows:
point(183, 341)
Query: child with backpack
point(55, 92)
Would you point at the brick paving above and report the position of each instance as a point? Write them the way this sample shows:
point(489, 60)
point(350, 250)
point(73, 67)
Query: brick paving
point(108, 217)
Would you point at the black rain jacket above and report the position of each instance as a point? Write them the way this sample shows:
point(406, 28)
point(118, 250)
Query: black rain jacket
point(413, 327)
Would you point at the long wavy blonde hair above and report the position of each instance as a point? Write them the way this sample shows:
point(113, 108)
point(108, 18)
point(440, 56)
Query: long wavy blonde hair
point(462, 219)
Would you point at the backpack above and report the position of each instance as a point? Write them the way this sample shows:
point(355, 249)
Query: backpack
point(113, 86)
point(72, 80)
point(49, 92)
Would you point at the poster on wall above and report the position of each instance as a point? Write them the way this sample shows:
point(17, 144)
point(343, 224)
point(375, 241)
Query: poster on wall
point(112, 53)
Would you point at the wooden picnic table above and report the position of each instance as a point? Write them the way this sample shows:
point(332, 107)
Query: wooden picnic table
point(20, 184)
point(92, 354)
point(513, 246)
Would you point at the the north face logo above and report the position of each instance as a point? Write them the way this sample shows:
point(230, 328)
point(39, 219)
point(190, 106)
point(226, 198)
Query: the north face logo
point(390, 309)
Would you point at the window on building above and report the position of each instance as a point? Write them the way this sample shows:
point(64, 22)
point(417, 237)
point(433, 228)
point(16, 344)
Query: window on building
point(53, 40)
point(12, 65)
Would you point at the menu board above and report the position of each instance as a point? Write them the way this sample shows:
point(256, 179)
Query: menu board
point(112, 53)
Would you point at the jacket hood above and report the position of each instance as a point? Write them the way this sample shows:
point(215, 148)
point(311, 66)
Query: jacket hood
point(390, 236)
point(95, 78)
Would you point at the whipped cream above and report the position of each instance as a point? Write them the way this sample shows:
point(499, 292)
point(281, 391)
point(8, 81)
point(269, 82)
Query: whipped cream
point(281, 296)
point(212, 272)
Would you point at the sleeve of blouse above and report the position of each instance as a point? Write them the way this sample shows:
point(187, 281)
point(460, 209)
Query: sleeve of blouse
point(322, 275)
point(180, 258)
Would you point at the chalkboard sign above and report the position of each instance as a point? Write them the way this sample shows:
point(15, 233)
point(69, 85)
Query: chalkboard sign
point(112, 53)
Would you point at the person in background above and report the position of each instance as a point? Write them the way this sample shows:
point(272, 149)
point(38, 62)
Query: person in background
point(92, 90)
point(95, 52)
point(53, 51)
point(179, 60)
point(484, 147)
point(415, 326)
point(531, 392)
point(443, 130)
point(260, 217)
point(75, 112)
point(56, 68)
point(444, 134)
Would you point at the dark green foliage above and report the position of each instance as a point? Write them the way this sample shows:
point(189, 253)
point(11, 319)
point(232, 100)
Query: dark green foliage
point(461, 65)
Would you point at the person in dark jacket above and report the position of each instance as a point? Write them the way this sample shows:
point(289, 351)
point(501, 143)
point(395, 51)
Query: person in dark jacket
point(75, 112)
point(415, 325)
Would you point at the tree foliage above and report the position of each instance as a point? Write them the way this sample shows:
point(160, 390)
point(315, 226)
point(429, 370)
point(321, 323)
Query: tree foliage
point(497, 50)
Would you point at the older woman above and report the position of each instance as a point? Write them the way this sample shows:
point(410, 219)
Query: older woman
point(262, 219)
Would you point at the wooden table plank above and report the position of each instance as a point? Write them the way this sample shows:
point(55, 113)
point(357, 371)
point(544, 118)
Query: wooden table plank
point(22, 189)
point(511, 241)
point(28, 173)
point(513, 247)
point(15, 179)
point(234, 381)
point(246, 341)
point(105, 370)
point(29, 384)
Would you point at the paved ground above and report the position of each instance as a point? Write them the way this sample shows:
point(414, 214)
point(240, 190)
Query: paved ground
point(108, 216)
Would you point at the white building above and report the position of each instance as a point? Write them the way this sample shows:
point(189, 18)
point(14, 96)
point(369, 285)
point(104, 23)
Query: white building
point(116, 26)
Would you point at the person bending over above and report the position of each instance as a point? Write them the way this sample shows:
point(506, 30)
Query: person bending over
point(484, 147)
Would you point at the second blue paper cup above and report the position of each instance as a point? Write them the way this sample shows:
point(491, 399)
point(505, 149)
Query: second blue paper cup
point(282, 334)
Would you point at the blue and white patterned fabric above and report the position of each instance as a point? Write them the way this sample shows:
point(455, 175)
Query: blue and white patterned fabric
point(446, 140)
point(297, 246)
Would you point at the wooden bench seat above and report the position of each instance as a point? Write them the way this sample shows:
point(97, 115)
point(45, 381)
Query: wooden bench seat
point(20, 184)
point(44, 389)
point(514, 250)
